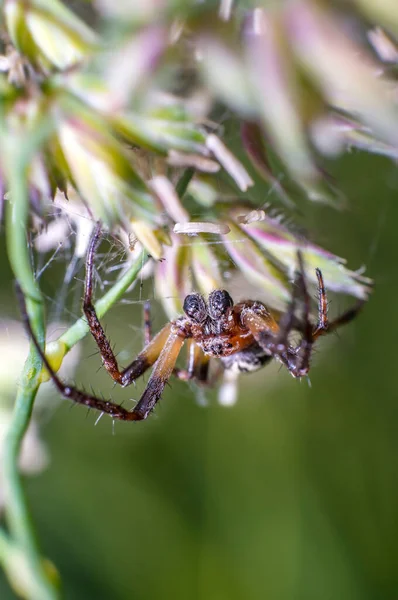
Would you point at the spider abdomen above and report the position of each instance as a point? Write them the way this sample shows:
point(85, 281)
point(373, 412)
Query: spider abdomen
point(247, 361)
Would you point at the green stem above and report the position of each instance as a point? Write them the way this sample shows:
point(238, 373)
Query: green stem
point(17, 513)
point(79, 329)
point(39, 585)
point(4, 546)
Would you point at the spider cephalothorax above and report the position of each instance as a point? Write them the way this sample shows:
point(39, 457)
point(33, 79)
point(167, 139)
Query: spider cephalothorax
point(244, 337)
point(214, 326)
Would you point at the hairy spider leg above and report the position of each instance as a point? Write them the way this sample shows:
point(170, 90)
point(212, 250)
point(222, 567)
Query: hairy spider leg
point(163, 368)
point(299, 363)
point(265, 330)
point(288, 319)
point(323, 322)
point(297, 360)
point(68, 391)
point(262, 325)
point(273, 338)
point(324, 325)
point(96, 329)
point(266, 333)
point(150, 353)
point(161, 373)
point(146, 358)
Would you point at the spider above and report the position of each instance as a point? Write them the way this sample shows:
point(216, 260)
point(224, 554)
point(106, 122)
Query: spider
point(243, 336)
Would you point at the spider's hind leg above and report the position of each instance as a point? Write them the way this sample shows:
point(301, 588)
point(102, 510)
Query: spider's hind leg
point(289, 321)
point(298, 359)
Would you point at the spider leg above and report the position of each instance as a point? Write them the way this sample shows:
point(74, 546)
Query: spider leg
point(261, 324)
point(153, 348)
point(299, 358)
point(163, 369)
point(346, 317)
point(299, 365)
point(265, 331)
point(288, 319)
point(146, 358)
point(274, 339)
point(324, 326)
point(198, 364)
point(182, 374)
point(68, 391)
point(96, 329)
point(271, 336)
point(323, 323)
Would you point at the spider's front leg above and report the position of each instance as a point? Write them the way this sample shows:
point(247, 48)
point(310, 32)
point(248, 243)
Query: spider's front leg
point(96, 329)
point(68, 391)
point(145, 359)
point(257, 319)
point(298, 359)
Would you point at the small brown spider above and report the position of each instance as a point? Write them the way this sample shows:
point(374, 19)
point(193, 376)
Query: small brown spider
point(243, 336)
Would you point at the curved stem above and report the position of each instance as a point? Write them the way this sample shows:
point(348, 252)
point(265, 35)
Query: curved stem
point(17, 513)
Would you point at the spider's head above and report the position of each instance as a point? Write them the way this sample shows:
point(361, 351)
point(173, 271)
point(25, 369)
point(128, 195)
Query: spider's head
point(195, 308)
point(218, 304)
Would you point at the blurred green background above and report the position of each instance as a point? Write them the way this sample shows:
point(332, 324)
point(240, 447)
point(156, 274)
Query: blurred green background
point(290, 494)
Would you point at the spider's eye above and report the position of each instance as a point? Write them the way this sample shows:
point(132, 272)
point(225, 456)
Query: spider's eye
point(219, 302)
point(195, 307)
